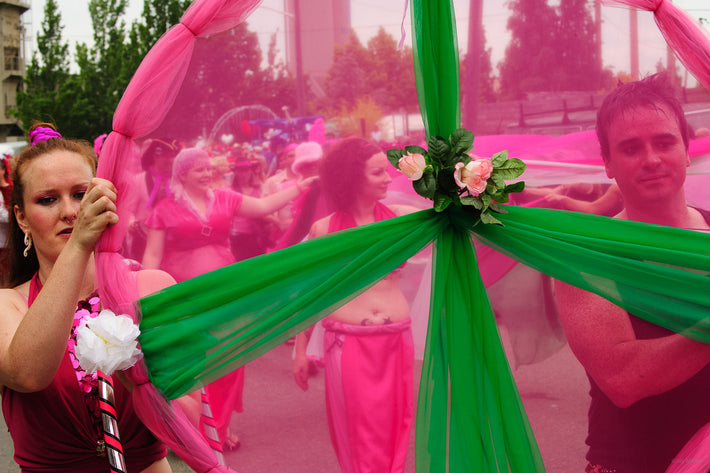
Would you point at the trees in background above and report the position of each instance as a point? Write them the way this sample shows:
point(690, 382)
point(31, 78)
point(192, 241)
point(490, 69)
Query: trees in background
point(81, 103)
point(368, 82)
point(47, 88)
point(551, 49)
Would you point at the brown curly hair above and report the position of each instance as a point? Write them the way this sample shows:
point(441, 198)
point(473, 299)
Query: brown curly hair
point(343, 170)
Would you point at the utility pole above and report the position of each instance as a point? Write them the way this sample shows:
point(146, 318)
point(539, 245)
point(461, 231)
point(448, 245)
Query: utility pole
point(300, 92)
point(670, 66)
point(598, 27)
point(634, 33)
point(473, 63)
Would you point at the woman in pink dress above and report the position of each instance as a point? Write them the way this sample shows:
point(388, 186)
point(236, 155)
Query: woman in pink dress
point(369, 352)
point(188, 235)
point(50, 405)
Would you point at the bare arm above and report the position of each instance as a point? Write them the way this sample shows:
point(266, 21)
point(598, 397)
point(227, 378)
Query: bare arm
point(300, 361)
point(610, 203)
point(33, 341)
point(259, 207)
point(154, 246)
point(625, 368)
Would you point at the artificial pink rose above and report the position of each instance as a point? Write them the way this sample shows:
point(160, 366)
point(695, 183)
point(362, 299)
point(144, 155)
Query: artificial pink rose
point(412, 165)
point(474, 175)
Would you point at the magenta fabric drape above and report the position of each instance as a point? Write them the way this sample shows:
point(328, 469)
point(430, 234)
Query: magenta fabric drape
point(684, 34)
point(143, 107)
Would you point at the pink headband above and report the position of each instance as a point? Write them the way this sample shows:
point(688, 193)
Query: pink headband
point(42, 133)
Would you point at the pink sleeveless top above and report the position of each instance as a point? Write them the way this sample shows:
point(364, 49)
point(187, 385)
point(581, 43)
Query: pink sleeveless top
point(341, 220)
point(58, 429)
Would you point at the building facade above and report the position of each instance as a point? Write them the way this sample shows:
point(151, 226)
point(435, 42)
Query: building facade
point(13, 64)
point(318, 26)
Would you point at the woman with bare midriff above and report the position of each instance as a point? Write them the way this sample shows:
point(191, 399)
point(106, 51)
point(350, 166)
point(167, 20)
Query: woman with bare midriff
point(368, 349)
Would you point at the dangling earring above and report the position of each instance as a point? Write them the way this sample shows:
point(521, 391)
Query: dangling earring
point(28, 243)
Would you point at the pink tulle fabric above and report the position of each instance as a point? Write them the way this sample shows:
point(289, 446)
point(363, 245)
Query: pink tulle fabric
point(156, 88)
point(143, 107)
point(684, 34)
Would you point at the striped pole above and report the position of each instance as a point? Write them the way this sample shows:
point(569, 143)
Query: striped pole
point(210, 427)
point(107, 404)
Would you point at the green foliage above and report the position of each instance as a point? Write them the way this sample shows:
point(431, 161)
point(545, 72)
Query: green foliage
point(157, 17)
point(446, 177)
point(82, 104)
point(46, 73)
point(551, 49)
point(380, 71)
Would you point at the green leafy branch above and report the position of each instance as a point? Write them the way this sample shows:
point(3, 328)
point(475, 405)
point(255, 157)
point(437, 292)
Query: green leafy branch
point(438, 180)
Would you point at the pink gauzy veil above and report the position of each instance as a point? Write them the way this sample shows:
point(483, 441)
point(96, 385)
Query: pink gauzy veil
point(683, 33)
point(142, 109)
point(198, 98)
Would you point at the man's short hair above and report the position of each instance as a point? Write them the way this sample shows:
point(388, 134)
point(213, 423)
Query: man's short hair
point(651, 91)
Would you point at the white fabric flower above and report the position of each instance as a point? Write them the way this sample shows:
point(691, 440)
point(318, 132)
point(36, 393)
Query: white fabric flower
point(108, 342)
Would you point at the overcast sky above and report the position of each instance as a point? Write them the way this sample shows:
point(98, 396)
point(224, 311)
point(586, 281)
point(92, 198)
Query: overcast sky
point(368, 15)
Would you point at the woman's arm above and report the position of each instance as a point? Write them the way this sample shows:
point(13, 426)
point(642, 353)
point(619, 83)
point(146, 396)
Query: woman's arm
point(259, 207)
point(154, 247)
point(33, 341)
point(626, 369)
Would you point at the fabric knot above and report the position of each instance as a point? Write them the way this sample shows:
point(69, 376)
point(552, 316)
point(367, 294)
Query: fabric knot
point(658, 5)
point(121, 133)
point(189, 29)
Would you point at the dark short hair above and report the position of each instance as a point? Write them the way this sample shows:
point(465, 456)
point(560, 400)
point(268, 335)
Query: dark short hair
point(20, 268)
point(651, 91)
point(342, 170)
point(159, 147)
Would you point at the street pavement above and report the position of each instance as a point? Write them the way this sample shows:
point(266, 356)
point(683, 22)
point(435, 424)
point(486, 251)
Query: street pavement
point(284, 430)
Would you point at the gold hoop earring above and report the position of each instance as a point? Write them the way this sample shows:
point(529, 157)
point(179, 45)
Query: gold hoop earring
point(28, 244)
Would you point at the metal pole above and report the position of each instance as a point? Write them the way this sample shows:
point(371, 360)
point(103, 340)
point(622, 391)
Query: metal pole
point(634, 36)
point(300, 86)
point(473, 60)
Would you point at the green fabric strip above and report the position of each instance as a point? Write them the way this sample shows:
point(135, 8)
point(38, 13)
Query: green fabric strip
point(436, 65)
point(485, 428)
point(203, 328)
point(200, 329)
point(657, 273)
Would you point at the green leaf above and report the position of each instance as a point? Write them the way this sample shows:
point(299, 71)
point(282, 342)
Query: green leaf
point(394, 155)
point(441, 201)
point(464, 158)
point(499, 159)
point(414, 149)
point(501, 197)
point(461, 140)
point(486, 199)
point(438, 149)
point(515, 187)
point(491, 189)
point(426, 186)
point(497, 208)
point(510, 169)
point(496, 179)
point(477, 202)
point(486, 217)
point(471, 200)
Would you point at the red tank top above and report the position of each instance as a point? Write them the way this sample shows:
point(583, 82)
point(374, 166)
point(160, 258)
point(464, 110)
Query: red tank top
point(55, 430)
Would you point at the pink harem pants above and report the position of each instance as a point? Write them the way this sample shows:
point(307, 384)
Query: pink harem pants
point(369, 394)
